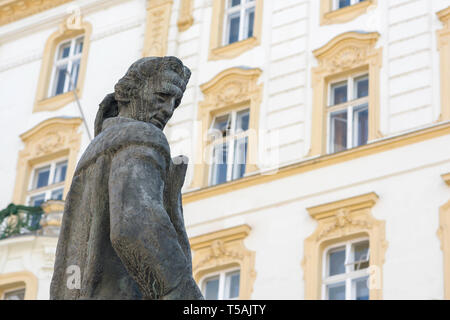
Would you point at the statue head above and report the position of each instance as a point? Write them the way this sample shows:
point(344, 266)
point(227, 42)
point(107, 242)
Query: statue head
point(150, 91)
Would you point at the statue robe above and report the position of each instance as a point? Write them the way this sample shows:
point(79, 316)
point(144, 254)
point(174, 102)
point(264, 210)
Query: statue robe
point(125, 177)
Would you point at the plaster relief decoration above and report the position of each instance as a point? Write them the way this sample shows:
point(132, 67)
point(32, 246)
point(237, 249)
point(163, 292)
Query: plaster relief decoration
point(12, 10)
point(185, 18)
point(224, 249)
point(48, 140)
point(157, 29)
point(338, 221)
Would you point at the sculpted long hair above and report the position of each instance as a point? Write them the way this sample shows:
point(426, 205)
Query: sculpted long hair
point(136, 76)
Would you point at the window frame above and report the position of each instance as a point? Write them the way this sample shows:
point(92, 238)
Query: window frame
point(32, 191)
point(12, 289)
point(69, 60)
point(346, 277)
point(44, 100)
point(222, 274)
point(350, 105)
point(242, 9)
point(330, 14)
point(233, 138)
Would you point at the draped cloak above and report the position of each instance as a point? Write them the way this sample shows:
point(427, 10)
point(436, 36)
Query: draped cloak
point(84, 240)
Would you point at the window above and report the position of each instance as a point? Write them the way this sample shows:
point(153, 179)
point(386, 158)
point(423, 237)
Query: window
point(346, 271)
point(222, 286)
point(346, 100)
point(344, 256)
point(47, 183)
point(239, 20)
point(66, 66)
point(348, 113)
point(235, 27)
point(339, 4)
point(221, 264)
point(227, 139)
point(229, 133)
point(16, 294)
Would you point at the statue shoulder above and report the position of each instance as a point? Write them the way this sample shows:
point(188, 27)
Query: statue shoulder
point(118, 134)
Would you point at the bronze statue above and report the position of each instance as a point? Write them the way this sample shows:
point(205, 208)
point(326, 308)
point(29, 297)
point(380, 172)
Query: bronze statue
point(123, 225)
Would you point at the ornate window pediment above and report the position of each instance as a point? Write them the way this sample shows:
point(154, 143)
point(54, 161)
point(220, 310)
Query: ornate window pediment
point(341, 221)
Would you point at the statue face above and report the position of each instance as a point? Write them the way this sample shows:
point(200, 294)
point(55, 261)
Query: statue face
point(154, 102)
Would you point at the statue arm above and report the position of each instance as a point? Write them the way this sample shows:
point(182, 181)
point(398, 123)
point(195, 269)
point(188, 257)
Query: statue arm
point(141, 231)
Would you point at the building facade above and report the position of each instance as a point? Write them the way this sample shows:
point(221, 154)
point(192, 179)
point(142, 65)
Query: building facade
point(318, 133)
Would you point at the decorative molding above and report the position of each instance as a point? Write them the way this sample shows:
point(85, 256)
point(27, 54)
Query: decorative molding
point(12, 10)
point(338, 221)
point(330, 16)
point(223, 249)
point(65, 31)
point(230, 89)
point(49, 140)
point(216, 50)
point(19, 280)
point(185, 18)
point(13, 63)
point(345, 54)
point(157, 27)
point(316, 163)
point(443, 40)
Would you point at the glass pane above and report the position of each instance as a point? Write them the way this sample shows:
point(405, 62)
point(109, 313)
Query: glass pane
point(336, 261)
point(360, 288)
point(60, 172)
point(36, 201)
point(57, 194)
point(343, 3)
point(360, 126)
point(41, 177)
point(64, 50)
point(339, 131)
point(240, 158)
point(219, 171)
point(60, 79)
point(339, 93)
point(79, 46)
point(250, 20)
point(222, 124)
point(74, 74)
point(242, 120)
point(233, 28)
point(336, 291)
point(361, 253)
point(235, 3)
point(362, 87)
point(15, 295)
point(232, 285)
point(212, 289)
